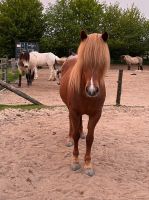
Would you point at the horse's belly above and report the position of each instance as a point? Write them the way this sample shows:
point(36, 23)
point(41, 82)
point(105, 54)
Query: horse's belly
point(41, 63)
point(134, 61)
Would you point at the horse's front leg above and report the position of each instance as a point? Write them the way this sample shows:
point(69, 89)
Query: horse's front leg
point(89, 141)
point(75, 119)
point(141, 67)
point(52, 76)
point(70, 140)
point(20, 78)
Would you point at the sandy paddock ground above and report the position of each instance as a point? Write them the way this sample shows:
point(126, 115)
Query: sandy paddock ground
point(35, 163)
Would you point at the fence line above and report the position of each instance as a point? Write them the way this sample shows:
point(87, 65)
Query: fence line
point(3, 68)
point(4, 65)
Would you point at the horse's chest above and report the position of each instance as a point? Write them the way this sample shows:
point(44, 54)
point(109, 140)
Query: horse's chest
point(87, 105)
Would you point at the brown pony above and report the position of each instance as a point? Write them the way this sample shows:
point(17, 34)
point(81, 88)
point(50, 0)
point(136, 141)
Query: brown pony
point(82, 89)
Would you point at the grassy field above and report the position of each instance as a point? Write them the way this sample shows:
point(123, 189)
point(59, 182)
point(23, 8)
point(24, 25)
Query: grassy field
point(23, 107)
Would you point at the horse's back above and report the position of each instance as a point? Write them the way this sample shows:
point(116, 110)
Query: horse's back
point(43, 59)
point(68, 65)
point(133, 60)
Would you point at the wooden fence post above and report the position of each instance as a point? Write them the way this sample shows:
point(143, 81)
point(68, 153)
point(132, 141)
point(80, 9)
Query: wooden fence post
point(20, 93)
point(119, 87)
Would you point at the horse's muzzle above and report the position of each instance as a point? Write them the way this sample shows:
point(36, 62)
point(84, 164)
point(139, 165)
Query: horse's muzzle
point(92, 91)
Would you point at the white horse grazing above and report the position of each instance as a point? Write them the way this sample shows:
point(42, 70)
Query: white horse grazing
point(35, 59)
point(133, 61)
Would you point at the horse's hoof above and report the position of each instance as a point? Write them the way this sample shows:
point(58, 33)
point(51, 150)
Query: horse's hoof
point(82, 135)
point(69, 144)
point(75, 166)
point(89, 172)
point(52, 79)
point(35, 78)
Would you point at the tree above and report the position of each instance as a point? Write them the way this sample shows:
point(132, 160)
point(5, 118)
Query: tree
point(132, 27)
point(66, 19)
point(19, 20)
point(128, 29)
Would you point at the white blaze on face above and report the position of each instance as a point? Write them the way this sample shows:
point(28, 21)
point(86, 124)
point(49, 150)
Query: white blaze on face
point(92, 87)
point(26, 63)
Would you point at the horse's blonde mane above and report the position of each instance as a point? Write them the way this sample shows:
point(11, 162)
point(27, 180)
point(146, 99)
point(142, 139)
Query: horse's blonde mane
point(93, 53)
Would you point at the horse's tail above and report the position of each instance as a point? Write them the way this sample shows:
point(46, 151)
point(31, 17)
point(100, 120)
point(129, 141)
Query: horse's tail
point(60, 61)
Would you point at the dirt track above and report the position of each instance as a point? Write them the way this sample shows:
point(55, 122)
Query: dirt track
point(35, 164)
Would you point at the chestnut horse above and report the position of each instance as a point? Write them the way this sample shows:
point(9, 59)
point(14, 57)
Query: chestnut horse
point(82, 89)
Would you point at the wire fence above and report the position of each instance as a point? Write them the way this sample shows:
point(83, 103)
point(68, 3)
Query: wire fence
point(8, 70)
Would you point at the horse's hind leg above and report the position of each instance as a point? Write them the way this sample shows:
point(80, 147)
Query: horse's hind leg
point(35, 73)
point(70, 141)
point(32, 76)
point(27, 78)
point(82, 134)
point(128, 67)
point(76, 135)
point(52, 76)
point(89, 141)
point(58, 74)
point(20, 78)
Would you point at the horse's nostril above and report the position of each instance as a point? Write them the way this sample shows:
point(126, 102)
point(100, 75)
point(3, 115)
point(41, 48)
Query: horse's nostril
point(96, 89)
point(26, 66)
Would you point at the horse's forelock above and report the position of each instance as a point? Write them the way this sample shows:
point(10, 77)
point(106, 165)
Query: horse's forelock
point(26, 56)
point(21, 55)
point(94, 53)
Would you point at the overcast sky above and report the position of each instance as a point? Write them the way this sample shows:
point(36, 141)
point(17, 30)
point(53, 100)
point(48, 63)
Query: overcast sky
point(143, 5)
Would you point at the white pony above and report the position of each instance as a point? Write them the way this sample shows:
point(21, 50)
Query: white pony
point(133, 61)
point(28, 63)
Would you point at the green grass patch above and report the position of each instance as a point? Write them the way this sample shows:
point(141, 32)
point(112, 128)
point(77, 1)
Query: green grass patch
point(29, 106)
point(12, 75)
point(23, 107)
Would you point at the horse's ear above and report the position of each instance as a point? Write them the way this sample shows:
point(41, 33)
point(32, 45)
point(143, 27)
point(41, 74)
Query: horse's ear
point(105, 36)
point(83, 35)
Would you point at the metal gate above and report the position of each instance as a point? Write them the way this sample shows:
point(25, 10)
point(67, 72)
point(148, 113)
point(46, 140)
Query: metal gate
point(25, 47)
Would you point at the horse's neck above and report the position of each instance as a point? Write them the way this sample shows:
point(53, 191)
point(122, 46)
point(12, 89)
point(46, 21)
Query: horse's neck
point(68, 65)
